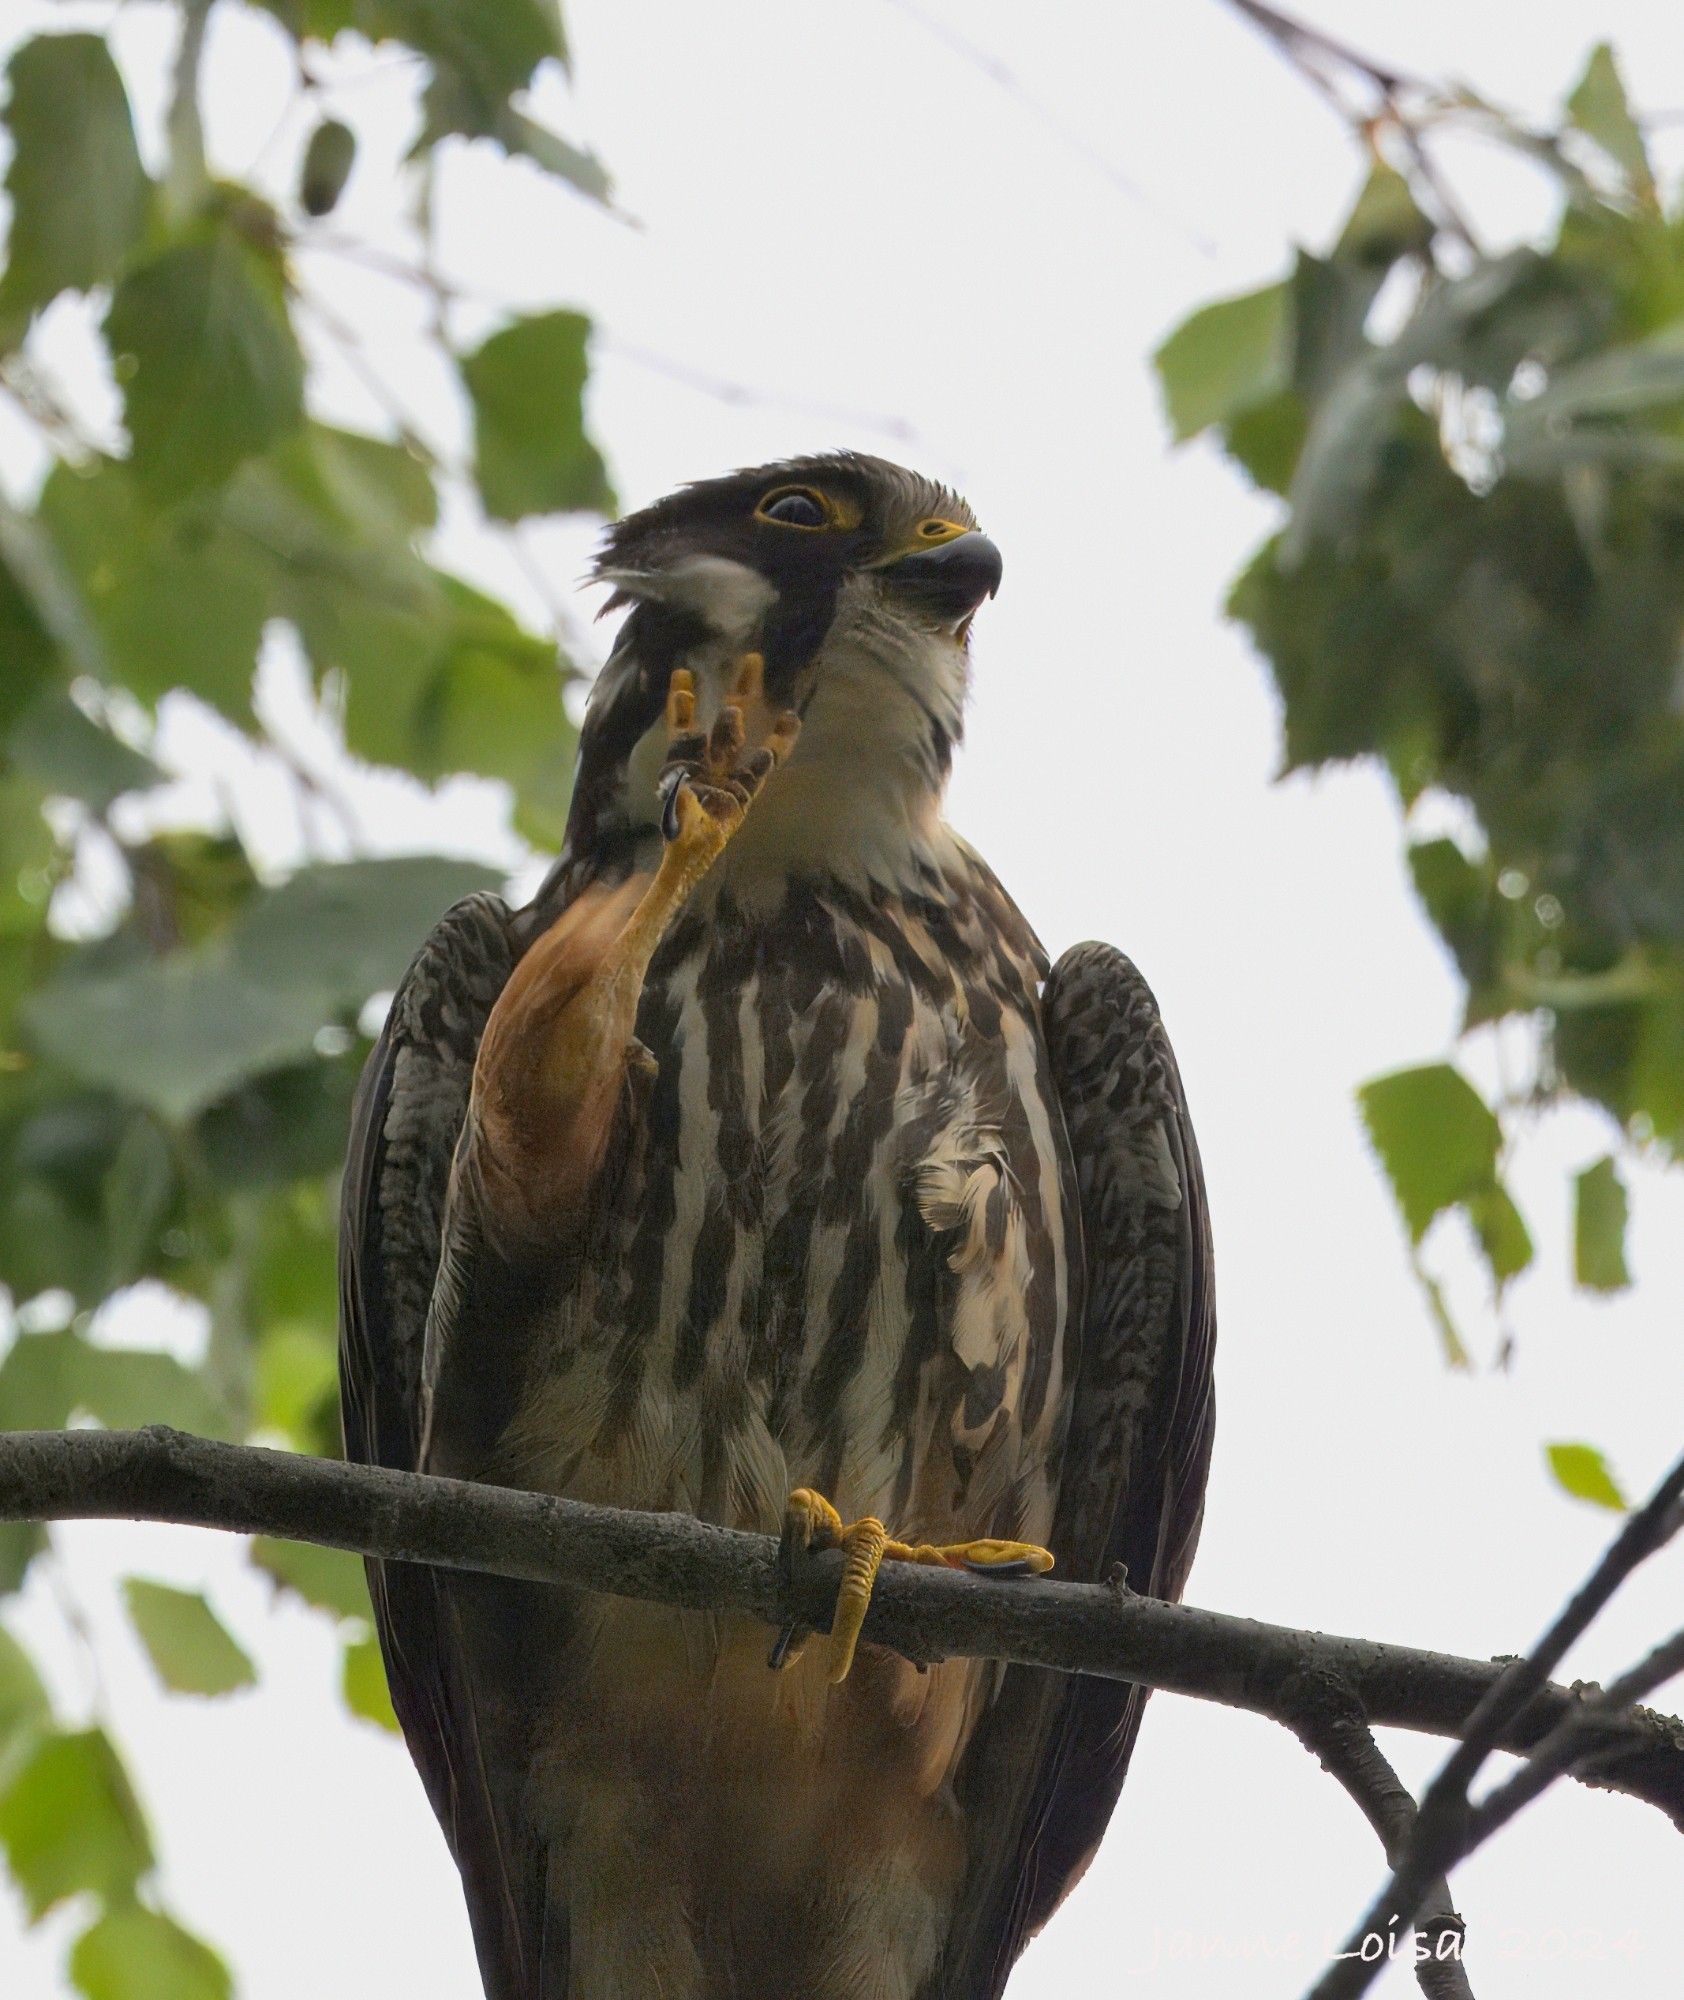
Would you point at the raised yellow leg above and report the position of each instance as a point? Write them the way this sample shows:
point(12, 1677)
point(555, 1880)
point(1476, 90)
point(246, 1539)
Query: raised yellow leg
point(549, 1080)
point(710, 786)
point(811, 1523)
point(709, 783)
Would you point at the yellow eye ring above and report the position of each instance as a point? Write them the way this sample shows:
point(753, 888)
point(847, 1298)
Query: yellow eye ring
point(801, 507)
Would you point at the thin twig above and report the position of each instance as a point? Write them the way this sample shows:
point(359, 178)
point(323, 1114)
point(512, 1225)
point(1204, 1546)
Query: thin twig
point(1581, 1734)
point(1310, 48)
point(1442, 1829)
point(733, 393)
point(1006, 80)
point(742, 395)
point(355, 356)
point(1397, 101)
point(924, 1614)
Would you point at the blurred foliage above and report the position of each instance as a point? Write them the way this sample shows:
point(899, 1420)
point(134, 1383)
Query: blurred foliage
point(176, 1069)
point(188, 1644)
point(1479, 582)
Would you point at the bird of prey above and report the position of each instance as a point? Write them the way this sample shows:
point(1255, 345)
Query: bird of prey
point(761, 1168)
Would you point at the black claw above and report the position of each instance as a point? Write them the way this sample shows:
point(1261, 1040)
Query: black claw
point(778, 1657)
point(1005, 1569)
point(669, 805)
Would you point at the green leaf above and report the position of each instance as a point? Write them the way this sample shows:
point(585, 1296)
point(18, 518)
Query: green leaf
point(328, 160)
point(1599, 108)
point(1580, 1469)
point(330, 1579)
point(1356, 416)
point(1615, 408)
point(140, 1186)
point(178, 600)
point(384, 486)
point(364, 1683)
point(456, 687)
point(294, 1275)
point(20, 1543)
point(580, 169)
point(134, 1953)
point(69, 1821)
point(26, 647)
point(1502, 1233)
point(481, 56)
point(47, 595)
point(1329, 302)
point(1436, 1138)
point(1461, 898)
point(1655, 1079)
point(1226, 359)
point(357, 923)
point(1599, 1228)
point(210, 368)
point(56, 1151)
point(297, 1378)
point(79, 194)
point(531, 454)
point(179, 1032)
point(48, 1378)
point(1266, 439)
point(69, 755)
point(188, 1644)
point(494, 706)
point(320, 20)
point(24, 1706)
point(286, 1126)
point(27, 856)
point(1386, 222)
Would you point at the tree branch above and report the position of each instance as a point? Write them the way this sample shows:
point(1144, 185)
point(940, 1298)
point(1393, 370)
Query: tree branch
point(925, 1614)
point(1328, 1720)
point(1326, 63)
point(1448, 1827)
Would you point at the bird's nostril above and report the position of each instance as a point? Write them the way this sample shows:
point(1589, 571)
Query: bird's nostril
point(952, 577)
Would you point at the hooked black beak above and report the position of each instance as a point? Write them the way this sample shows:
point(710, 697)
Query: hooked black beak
point(951, 579)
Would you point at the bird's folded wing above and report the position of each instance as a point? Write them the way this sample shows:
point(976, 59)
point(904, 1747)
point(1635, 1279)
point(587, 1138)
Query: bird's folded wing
point(1043, 1777)
point(409, 1112)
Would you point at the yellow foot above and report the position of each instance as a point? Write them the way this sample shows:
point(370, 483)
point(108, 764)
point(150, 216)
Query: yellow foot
point(707, 781)
point(811, 1523)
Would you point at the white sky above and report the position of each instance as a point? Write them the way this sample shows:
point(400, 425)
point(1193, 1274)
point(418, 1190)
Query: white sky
point(838, 210)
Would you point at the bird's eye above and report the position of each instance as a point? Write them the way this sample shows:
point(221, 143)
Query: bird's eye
point(795, 507)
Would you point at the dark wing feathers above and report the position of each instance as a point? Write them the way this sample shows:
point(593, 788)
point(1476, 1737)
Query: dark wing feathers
point(1142, 1413)
point(1142, 1409)
point(409, 1110)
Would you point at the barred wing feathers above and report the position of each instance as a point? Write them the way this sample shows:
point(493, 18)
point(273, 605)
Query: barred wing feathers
point(409, 1110)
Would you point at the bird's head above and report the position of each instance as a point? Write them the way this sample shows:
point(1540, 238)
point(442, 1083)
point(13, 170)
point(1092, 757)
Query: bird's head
point(855, 579)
